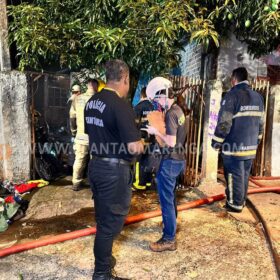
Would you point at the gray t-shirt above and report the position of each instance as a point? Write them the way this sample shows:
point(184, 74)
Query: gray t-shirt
point(176, 125)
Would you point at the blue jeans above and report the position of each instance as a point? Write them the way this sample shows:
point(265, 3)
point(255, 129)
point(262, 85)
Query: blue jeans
point(168, 171)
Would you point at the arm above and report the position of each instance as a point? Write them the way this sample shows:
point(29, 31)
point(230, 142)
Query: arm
point(261, 128)
point(171, 123)
point(169, 140)
point(224, 124)
point(73, 123)
point(261, 124)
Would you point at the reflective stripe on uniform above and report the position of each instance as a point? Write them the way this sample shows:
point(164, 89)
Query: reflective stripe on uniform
point(230, 188)
point(237, 207)
point(218, 139)
point(248, 114)
point(137, 178)
point(241, 153)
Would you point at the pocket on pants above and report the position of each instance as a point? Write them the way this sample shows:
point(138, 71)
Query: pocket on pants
point(176, 168)
point(122, 197)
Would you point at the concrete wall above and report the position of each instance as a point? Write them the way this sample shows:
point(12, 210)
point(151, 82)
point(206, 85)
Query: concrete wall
point(15, 130)
point(275, 149)
point(213, 94)
point(234, 54)
point(191, 61)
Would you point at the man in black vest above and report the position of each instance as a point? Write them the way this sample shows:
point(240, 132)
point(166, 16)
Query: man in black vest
point(113, 141)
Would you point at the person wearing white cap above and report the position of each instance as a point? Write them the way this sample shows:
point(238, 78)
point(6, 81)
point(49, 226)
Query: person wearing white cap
point(173, 158)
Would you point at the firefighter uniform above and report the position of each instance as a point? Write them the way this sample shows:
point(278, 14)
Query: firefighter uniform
point(81, 141)
point(143, 179)
point(238, 133)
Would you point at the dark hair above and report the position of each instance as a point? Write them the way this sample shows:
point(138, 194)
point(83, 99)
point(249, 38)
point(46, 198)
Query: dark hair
point(240, 74)
point(143, 92)
point(93, 81)
point(115, 70)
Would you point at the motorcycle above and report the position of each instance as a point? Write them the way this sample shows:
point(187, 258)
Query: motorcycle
point(47, 164)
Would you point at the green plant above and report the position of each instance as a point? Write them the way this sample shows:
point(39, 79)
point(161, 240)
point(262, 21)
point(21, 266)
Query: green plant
point(147, 34)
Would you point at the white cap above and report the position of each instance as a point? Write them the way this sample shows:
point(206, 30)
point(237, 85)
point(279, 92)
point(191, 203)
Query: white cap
point(157, 84)
point(76, 88)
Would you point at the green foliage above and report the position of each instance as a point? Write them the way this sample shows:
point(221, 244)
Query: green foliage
point(147, 34)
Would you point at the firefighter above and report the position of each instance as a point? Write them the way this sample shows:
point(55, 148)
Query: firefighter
point(77, 130)
point(76, 91)
point(237, 135)
point(143, 178)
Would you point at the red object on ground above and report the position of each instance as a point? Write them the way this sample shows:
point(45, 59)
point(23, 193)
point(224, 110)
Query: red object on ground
point(130, 220)
point(270, 178)
point(21, 189)
point(261, 184)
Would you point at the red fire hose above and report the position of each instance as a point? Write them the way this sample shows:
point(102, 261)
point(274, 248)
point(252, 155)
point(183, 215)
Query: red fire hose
point(268, 178)
point(130, 220)
point(256, 181)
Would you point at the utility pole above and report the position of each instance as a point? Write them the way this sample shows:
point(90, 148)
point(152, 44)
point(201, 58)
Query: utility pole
point(5, 61)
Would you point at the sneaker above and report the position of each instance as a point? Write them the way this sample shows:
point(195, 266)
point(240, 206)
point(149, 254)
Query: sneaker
point(163, 245)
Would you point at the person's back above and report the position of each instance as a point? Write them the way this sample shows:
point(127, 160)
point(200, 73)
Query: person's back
point(107, 119)
point(78, 105)
point(142, 109)
point(246, 107)
point(114, 141)
point(78, 131)
point(237, 135)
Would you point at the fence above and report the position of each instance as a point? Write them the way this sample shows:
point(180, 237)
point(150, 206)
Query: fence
point(263, 87)
point(189, 95)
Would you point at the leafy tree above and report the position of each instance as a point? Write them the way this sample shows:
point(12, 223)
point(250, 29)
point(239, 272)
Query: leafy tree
point(147, 34)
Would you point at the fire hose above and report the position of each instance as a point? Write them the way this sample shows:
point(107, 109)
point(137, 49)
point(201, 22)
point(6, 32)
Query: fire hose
point(130, 220)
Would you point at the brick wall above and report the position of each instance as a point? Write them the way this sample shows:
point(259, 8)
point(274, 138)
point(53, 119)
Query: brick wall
point(191, 60)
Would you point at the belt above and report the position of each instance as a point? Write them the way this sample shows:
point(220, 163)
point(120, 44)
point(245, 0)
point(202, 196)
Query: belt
point(111, 160)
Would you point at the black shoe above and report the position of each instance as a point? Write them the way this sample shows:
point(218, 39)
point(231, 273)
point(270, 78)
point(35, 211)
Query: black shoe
point(113, 262)
point(106, 276)
point(230, 209)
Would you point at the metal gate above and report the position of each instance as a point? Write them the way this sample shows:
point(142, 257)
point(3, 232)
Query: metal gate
point(263, 87)
point(49, 94)
point(189, 94)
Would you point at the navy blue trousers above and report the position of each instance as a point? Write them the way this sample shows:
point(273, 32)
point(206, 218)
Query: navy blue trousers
point(237, 174)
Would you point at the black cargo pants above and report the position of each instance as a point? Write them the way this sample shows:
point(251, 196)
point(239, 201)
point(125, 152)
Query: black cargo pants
point(110, 184)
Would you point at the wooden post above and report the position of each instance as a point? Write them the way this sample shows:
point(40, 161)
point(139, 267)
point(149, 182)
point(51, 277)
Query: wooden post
point(264, 128)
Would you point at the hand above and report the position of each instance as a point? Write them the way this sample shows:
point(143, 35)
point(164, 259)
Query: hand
point(151, 130)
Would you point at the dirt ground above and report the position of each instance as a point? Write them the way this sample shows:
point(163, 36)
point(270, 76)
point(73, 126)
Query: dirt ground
point(211, 245)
